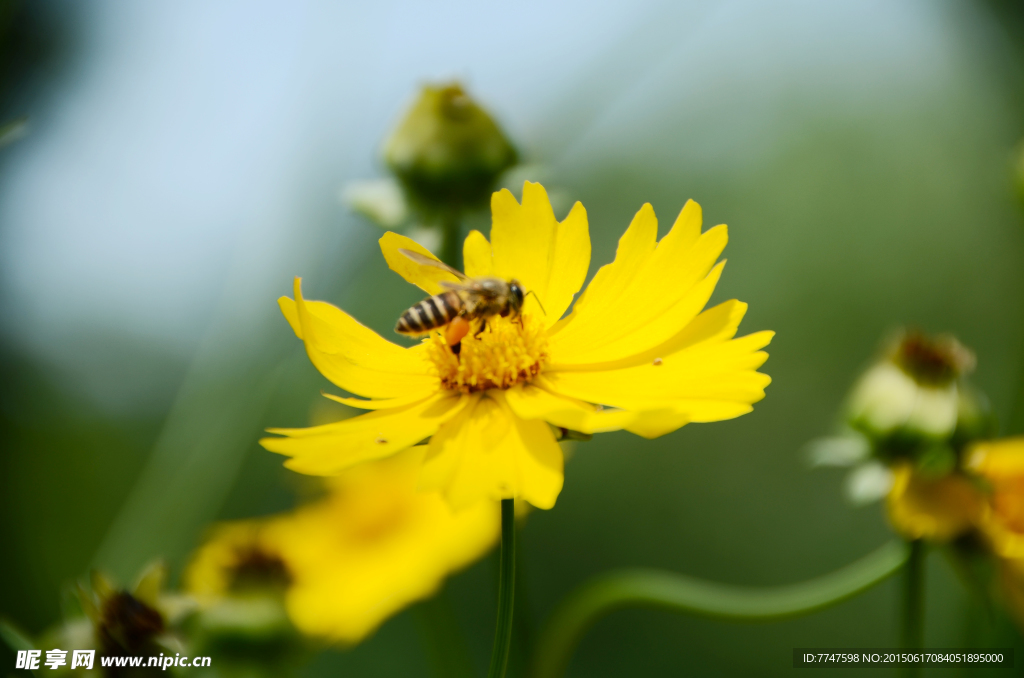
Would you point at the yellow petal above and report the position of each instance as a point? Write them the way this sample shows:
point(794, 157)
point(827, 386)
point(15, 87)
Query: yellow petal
point(716, 324)
point(427, 278)
point(331, 448)
point(487, 452)
point(706, 376)
point(998, 459)
point(1001, 463)
point(476, 253)
point(635, 248)
point(372, 546)
point(548, 258)
point(647, 295)
point(1003, 536)
point(629, 348)
point(355, 357)
point(385, 404)
point(719, 373)
point(655, 423)
point(291, 313)
point(528, 401)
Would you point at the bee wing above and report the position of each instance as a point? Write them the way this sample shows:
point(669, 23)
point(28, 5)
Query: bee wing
point(467, 285)
point(424, 260)
point(477, 287)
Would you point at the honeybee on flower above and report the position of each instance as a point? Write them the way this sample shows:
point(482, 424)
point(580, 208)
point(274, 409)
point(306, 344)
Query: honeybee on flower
point(460, 304)
point(638, 351)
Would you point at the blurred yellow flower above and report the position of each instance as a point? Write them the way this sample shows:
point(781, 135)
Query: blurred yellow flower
point(637, 352)
point(936, 509)
point(349, 561)
point(1001, 464)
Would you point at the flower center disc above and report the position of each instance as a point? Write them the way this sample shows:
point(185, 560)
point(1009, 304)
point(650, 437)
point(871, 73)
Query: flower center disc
point(506, 353)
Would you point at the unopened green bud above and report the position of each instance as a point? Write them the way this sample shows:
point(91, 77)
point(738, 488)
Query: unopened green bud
point(447, 151)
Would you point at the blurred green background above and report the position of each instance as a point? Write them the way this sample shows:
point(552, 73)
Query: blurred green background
point(183, 161)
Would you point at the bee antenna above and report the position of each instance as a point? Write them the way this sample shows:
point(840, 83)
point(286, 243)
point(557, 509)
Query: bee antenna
point(535, 296)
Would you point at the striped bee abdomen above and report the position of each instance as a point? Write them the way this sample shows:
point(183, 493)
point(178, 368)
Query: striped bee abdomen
point(430, 314)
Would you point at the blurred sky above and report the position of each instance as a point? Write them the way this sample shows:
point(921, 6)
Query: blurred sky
point(186, 132)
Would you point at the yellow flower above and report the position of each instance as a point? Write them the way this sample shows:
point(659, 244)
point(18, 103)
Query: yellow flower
point(637, 352)
point(937, 509)
point(1001, 464)
point(347, 562)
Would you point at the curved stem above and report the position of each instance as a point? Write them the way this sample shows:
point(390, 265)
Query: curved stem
point(679, 593)
point(506, 590)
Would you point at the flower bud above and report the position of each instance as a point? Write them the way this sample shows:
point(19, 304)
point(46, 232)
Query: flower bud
point(913, 392)
point(131, 622)
point(447, 151)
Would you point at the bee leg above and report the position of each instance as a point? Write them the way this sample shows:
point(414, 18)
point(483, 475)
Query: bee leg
point(456, 348)
point(483, 326)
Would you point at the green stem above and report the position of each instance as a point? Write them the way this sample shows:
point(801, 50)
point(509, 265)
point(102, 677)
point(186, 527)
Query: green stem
point(679, 593)
point(451, 240)
point(506, 590)
point(913, 603)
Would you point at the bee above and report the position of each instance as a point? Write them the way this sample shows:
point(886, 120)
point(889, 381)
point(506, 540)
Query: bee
point(461, 303)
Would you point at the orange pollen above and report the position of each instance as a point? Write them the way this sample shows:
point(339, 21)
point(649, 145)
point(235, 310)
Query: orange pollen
point(506, 353)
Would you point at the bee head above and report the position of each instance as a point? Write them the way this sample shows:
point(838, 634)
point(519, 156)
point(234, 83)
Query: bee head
point(515, 297)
